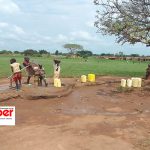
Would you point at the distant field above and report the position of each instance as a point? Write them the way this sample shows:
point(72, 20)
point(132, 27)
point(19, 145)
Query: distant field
point(75, 67)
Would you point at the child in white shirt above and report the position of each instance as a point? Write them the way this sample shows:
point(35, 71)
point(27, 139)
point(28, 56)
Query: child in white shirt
point(16, 70)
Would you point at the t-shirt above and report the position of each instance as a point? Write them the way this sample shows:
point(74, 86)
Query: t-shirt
point(16, 67)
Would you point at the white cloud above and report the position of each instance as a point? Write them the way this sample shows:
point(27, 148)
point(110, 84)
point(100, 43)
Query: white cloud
point(47, 38)
point(58, 39)
point(11, 32)
point(18, 30)
point(17, 34)
point(3, 24)
point(64, 17)
point(12, 36)
point(84, 36)
point(90, 24)
point(8, 6)
point(10, 28)
point(62, 38)
point(2, 43)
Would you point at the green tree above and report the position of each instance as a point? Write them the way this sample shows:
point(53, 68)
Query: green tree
point(84, 53)
point(16, 52)
point(30, 52)
point(43, 52)
point(73, 47)
point(5, 52)
point(135, 55)
point(128, 20)
point(56, 52)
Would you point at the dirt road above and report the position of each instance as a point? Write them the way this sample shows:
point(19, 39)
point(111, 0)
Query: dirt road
point(99, 117)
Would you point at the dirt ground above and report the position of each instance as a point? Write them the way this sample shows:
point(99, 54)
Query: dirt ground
point(100, 116)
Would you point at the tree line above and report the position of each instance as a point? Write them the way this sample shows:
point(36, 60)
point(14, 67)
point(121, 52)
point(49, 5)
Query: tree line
point(28, 52)
point(81, 53)
point(73, 50)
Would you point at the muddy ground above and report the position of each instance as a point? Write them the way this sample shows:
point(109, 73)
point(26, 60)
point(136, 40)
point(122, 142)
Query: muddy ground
point(87, 117)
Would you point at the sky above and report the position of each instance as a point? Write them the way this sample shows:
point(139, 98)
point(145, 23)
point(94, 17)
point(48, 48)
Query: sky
point(49, 24)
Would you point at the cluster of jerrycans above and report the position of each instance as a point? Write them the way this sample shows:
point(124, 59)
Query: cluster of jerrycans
point(133, 82)
point(84, 78)
point(90, 78)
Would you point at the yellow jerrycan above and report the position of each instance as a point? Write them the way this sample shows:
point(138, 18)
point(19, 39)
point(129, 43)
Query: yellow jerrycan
point(140, 82)
point(57, 82)
point(123, 83)
point(136, 82)
point(91, 77)
point(83, 78)
point(129, 83)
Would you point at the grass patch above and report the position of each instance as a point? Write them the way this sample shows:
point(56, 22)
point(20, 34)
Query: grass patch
point(75, 67)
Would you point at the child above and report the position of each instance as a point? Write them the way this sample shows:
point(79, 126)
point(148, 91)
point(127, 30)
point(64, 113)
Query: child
point(16, 70)
point(29, 68)
point(42, 76)
point(56, 69)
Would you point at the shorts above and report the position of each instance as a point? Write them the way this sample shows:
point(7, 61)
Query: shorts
point(17, 76)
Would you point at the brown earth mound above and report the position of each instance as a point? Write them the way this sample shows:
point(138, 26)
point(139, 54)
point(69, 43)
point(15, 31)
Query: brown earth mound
point(35, 93)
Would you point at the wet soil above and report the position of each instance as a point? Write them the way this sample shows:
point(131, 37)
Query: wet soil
point(91, 117)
